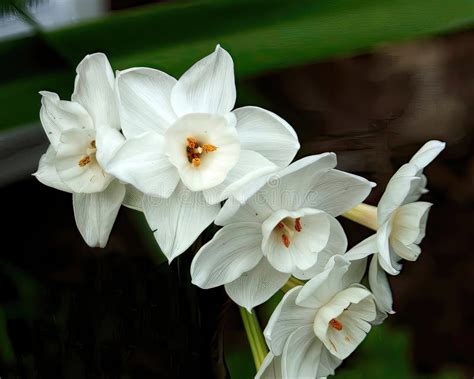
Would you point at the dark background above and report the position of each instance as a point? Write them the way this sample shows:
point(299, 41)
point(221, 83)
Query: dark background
point(69, 311)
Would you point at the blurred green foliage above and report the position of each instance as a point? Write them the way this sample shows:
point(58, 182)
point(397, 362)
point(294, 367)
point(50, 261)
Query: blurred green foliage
point(262, 35)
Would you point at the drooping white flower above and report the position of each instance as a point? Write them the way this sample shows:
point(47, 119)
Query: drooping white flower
point(287, 227)
point(401, 224)
point(187, 150)
point(84, 135)
point(317, 325)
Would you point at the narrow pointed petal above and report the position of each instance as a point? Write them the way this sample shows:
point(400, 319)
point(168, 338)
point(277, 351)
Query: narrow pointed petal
point(47, 173)
point(354, 309)
point(267, 134)
point(142, 163)
point(58, 116)
point(94, 90)
point(428, 152)
point(270, 368)
point(144, 97)
point(380, 287)
point(234, 250)
point(336, 192)
point(257, 285)
point(400, 188)
point(133, 198)
point(285, 319)
point(250, 166)
point(363, 249)
point(304, 356)
point(95, 213)
point(207, 87)
point(178, 220)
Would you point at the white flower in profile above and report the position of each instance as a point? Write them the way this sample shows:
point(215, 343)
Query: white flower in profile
point(401, 223)
point(187, 151)
point(287, 227)
point(84, 135)
point(317, 325)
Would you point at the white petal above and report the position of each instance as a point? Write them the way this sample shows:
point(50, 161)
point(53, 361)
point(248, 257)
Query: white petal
point(400, 187)
point(207, 87)
point(133, 198)
point(270, 368)
point(289, 187)
point(380, 287)
point(94, 90)
point(428, 152)
point(266, 133)
point(206, 129)
point(95, 213)
point(47, 173)
point(254, 209)
point(72, 148)
point(178, 220)
point(335, 192)
point(304, 356)
point(108, 141)
point(319, 290)
point(232, 251)
point(142, 163)
point(250, 166)
point(336, 245)
point(304, 245)
point(383, 247)
point(409, 222)
point(144, 97)
point(410, 252)
point(257, 285)
point(58, 116)
point(285, 319)
point(363, 249)
point(354, 308)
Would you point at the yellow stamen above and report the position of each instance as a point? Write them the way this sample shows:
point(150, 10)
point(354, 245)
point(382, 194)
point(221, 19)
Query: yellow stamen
point(209, 148)
point(196, 162)
point(192, 143)
point(84, 161)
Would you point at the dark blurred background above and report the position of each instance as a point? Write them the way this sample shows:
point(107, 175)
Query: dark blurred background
point(369, 80)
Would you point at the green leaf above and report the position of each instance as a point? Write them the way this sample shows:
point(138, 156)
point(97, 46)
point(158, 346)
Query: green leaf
point(261, 35)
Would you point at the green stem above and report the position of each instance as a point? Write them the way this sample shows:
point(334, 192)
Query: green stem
point(254, 336)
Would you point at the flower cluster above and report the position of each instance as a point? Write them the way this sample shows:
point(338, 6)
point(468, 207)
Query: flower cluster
point(179, 152)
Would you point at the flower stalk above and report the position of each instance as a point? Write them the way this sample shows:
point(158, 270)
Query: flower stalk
point(254, 336)
point(363, 214)
point(291, 283)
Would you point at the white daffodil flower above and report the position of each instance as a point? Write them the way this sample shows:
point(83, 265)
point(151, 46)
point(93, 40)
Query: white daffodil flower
point(287, 227)
point(401, 223)
point(317, 325)
point(187, 150)
point(84, 135)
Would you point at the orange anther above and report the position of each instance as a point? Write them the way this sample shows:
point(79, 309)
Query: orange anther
point(208, 148)
point(286, 240)
point(84, 161)
point(192, 143)
point(196, 162)
point(335, 324)
point(298, 226)
point(280, 225)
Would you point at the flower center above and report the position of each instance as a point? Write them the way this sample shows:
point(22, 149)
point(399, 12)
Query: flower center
point(288, 227)
point(335, 324)
point(90, 154)
point(194, 150)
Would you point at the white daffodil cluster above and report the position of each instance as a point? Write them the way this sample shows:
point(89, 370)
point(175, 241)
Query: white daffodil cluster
point(179, 152)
